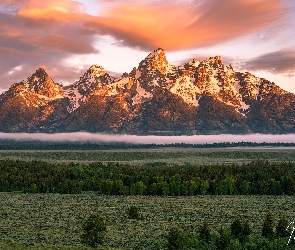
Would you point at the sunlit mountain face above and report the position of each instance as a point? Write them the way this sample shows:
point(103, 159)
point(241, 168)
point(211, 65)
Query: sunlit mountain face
point(156, 97)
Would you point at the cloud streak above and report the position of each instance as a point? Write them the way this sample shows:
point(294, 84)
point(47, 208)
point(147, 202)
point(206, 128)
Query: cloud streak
point(282, 61)
point(196, 139)
point(182, 26)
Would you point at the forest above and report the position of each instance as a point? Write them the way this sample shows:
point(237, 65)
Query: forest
point(155, 179)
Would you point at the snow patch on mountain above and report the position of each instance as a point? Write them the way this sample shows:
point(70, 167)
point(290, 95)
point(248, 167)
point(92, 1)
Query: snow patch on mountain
point(186, 89)
point(141, 95)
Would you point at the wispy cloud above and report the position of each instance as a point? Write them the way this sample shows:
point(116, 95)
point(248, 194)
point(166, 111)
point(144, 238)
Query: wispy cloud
point(184, 25)
point(282, 61)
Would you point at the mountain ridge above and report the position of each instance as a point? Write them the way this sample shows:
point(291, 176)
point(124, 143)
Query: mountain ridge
point(200, 97)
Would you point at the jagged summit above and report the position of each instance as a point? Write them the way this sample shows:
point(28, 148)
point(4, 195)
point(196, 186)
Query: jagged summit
point(40, 75)
point(96, 70)
point(40, 72)
point(41, 84)
point(157, 60)
point(200, 97)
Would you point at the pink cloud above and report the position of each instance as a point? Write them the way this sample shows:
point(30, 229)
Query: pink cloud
point(40, 34)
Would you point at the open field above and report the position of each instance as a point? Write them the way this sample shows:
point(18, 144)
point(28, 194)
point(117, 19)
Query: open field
point(141, 156)
point(54, 220)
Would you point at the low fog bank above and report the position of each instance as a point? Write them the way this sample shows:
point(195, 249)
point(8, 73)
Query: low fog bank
point(194, 139)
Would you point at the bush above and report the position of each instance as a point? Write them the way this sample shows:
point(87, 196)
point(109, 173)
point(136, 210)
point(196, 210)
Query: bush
point(133, 213)
point(94, 230)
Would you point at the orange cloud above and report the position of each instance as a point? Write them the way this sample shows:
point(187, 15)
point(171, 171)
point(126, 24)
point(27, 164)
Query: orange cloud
point(56, 10)
point(181, 26)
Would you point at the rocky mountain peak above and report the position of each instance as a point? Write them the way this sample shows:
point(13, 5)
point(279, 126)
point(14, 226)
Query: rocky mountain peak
point(215, 60)
point(157, 60)
point(39, 76)
point(200, 97)
point(96, 70)
point(40, 72)
point(41, 84)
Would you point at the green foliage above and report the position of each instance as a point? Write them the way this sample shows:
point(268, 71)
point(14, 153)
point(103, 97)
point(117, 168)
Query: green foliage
point(268, 226)
point(223, 241)
point(133, 212)
point(236, 229)
point(246, 230)
point(175, 239)
point(94, 230)
point(204, 232)
point(258, 177)
point(281, 228)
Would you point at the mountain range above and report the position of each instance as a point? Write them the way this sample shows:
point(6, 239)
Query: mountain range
point(200, 97)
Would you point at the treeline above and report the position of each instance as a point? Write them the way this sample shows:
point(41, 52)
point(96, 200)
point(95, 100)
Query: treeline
point(257, 178)
point(237, 237)
point(48, 145)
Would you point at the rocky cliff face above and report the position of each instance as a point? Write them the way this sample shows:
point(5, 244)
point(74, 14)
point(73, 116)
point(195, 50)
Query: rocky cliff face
point(200, 97)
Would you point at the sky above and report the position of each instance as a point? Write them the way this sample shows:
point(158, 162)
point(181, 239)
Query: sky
point(66, 37)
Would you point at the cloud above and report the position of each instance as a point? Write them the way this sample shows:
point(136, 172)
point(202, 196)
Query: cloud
point(184, 25)
point(61, 43)
point(195, 139)
point(41, 34)
point(282, 61)
point(38, 33)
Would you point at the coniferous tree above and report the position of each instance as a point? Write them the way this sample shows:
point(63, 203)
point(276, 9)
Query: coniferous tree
point(204, 232)
point(236, 229)
point(246, 229)
point(268, 226)
point(281, 228)
point(176, 239)
point(223, 242)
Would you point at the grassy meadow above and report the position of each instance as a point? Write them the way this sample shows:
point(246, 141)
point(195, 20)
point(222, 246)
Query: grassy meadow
point(53, 221)
point(142, 156)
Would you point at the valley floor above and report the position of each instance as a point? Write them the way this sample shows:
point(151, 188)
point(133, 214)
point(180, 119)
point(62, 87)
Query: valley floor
point(169, 155)
point(54, 221)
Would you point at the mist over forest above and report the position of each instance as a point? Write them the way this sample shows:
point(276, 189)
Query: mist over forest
point(194, 139)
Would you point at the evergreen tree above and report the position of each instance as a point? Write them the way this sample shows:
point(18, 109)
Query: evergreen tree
point(94, 230)
point(176, 239)
point(246, 229)
point(204, 232)
point(281, 228)
point(236, 229)
point(223, 242)
point(268, 226)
